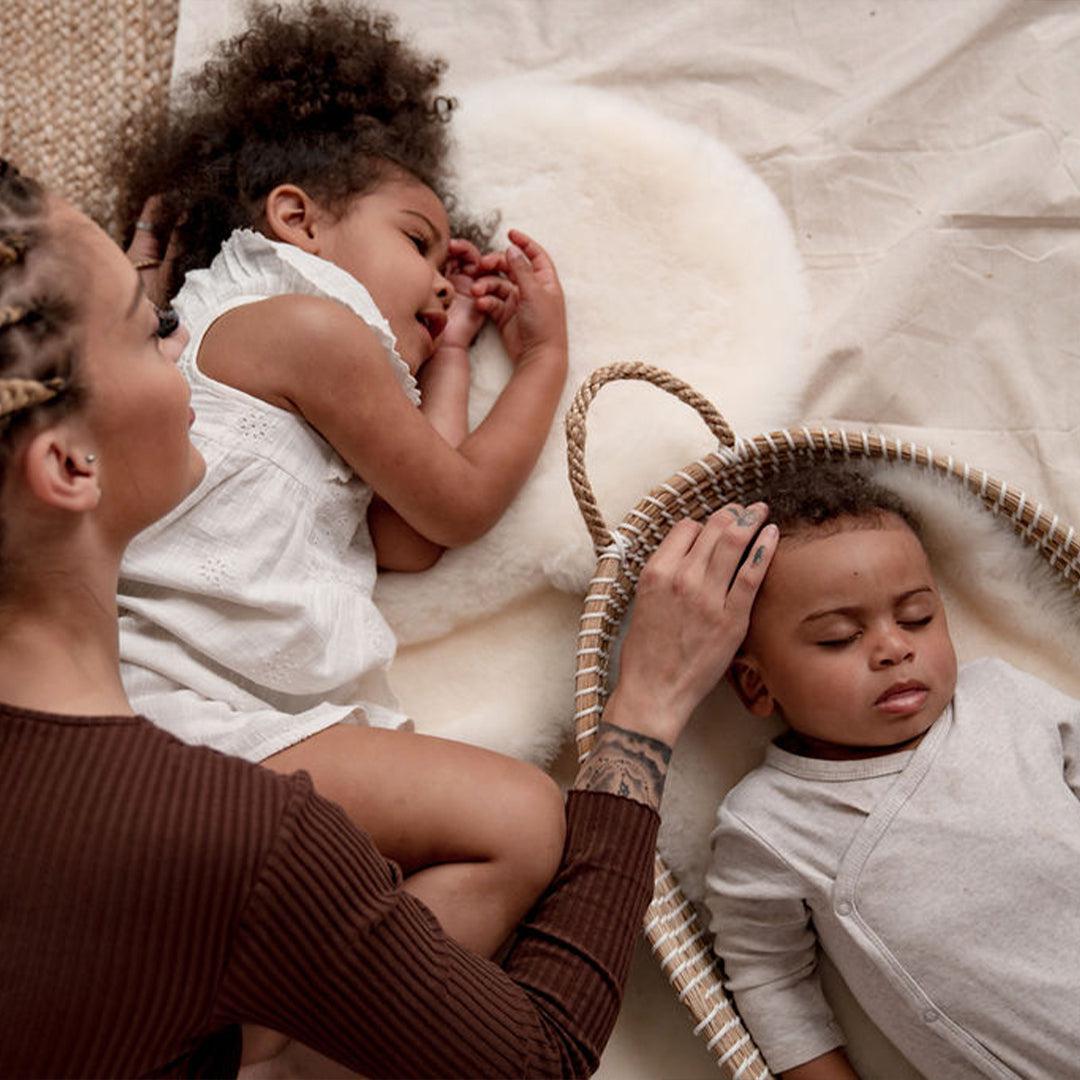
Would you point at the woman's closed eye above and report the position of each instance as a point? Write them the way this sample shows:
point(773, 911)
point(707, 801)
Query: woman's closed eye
point(167, 322)
point(419, 242)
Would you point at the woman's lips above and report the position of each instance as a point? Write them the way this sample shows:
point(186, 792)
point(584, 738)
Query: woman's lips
point(903, 698)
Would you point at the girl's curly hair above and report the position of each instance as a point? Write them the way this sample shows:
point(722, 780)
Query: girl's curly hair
point(323, 95)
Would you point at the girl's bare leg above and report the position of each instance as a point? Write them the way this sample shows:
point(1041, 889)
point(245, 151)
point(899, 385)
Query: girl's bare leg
point(478, 835)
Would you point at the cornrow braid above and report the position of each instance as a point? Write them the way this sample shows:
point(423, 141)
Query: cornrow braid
point(19, 394)
point(12, 315)
point(12, 249)
point(39, 333)
point(38, 345)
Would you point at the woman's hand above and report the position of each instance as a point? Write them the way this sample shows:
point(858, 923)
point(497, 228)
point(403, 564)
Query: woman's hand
point(691, 615)
point(146, 255)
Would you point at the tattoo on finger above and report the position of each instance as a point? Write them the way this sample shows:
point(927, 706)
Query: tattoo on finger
point(745, 518)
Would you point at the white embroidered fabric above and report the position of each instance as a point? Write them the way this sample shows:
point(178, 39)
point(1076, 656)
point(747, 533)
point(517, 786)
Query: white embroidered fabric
point(247, 622)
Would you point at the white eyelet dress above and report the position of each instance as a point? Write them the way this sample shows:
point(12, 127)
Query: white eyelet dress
point(246, 618)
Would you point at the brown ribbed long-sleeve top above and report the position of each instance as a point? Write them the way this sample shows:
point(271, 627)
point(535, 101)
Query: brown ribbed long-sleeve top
point(153, 896)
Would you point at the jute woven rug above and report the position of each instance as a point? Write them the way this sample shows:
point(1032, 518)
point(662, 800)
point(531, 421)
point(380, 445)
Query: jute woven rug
point(73, 73)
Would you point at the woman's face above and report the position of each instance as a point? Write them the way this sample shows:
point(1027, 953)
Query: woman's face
point(137, 410)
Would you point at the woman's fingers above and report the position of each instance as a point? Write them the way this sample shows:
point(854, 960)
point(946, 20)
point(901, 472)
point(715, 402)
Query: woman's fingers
point(744, 588)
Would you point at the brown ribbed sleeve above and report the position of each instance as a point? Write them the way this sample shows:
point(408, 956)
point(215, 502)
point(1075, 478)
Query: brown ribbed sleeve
point(332, 951)
point(127, 860)
point(154, 895)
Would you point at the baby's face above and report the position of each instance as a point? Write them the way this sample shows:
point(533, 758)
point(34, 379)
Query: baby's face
point(848, 641)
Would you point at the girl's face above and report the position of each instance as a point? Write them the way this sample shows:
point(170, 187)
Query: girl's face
point(848, 641)
point(394, 241)
point(136, 413)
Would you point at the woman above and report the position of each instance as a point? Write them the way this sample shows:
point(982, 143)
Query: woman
point(155, 896)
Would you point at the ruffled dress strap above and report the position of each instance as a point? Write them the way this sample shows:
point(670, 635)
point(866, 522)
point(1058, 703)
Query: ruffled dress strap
point(251, 267)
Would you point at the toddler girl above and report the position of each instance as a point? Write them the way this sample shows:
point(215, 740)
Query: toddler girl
point(919, 825)
point(306, 168)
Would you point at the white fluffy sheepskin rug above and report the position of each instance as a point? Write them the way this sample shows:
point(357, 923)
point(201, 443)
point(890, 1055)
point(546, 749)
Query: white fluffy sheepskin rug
point(670, 250)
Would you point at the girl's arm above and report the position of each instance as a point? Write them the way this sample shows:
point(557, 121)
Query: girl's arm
point(317, 358)
point(444, 400)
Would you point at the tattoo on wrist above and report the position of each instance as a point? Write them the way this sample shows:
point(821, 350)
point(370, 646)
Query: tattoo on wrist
point(626, 763)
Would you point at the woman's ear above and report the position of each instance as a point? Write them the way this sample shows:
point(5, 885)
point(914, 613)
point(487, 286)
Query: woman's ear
point(292, 216)
point(745, 676)
point(60, 471)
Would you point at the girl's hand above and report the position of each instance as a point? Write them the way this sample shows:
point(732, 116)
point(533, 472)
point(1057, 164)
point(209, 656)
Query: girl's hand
point(464, 318)
point(527, 303)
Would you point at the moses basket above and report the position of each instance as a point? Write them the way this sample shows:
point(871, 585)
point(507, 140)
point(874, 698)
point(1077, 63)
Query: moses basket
point(732, 473)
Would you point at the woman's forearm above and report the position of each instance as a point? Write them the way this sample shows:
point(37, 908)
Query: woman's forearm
point(626, 763)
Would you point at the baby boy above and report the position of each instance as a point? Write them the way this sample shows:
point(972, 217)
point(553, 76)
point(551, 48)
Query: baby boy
point(920, 825)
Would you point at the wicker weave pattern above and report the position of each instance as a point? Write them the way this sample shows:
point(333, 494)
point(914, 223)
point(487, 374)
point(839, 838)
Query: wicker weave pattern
point(733, 473)
point(73, 73)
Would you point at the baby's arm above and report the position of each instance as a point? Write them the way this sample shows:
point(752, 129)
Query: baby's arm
point(769, 950)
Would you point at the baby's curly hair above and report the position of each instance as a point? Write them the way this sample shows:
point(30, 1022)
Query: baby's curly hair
point(323, 95)
point(819, 497)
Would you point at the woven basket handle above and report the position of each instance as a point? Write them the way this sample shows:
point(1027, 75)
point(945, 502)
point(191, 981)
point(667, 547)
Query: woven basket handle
point(601, 535)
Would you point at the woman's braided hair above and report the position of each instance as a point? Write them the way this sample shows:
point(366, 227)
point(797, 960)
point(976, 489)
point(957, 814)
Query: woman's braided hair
point(38, 329)
point(323, 95)
point(38, 345)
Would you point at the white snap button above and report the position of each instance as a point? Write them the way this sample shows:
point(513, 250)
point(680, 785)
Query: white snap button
point(930, 1015)
point(844, 908)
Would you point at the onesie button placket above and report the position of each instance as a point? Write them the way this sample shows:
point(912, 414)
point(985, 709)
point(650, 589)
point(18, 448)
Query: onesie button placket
point(843, 908)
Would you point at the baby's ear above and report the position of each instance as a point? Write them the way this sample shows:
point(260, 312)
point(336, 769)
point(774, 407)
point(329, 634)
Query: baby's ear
point(745, 677)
